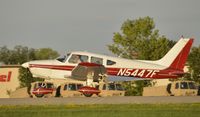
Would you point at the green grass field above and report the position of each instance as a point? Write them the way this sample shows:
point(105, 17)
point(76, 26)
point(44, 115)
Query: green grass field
point(126, 110)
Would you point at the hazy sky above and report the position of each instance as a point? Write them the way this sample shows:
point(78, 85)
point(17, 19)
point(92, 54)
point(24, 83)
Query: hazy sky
point(67, 25)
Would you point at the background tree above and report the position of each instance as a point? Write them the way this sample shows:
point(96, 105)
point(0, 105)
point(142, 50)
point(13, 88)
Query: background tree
point(194, 64)
point(25, 78)
point(4, 55)
point(139, 39)
point(46, 53)
point(21, 54)
point(18, 55)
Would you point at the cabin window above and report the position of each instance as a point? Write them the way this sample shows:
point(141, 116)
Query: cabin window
point(71, 87)
point(49, 85)
point(109, 62)
point(111, 86)
point(63, 58)
point(119, 87)
point(42, 85)
point(75, 58)
point(184, 85)
point(96, 60)
point(192, 85)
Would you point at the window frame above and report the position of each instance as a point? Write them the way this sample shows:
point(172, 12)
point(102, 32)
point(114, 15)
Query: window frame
point(98, 60)
point(184, 85)
point(108, 62)
point(72, 57)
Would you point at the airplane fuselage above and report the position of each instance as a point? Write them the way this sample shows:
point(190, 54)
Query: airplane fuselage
point(170, 66)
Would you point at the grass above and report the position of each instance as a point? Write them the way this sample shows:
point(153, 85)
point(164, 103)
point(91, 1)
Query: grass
point(124, 110)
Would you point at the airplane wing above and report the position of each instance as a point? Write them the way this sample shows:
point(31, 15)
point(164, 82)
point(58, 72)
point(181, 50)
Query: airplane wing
point(118, 78)
point(85, 70)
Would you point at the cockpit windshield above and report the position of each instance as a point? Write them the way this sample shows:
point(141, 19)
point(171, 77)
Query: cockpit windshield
point(63, 58)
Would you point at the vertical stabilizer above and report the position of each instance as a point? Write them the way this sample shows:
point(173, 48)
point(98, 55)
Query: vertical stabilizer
point(177, 56)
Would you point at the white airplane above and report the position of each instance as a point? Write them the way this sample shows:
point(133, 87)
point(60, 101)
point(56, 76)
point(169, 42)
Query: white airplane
point(170, 66)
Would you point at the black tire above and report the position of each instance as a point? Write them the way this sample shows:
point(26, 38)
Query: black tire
point(58, 94)
point(87, 94)
point(39, 95)
point(169, 88)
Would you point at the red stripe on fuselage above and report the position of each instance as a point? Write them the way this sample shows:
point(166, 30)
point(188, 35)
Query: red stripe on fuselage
point(111, 71)
point(127, 72)
point(56, 67)
point(145, 73)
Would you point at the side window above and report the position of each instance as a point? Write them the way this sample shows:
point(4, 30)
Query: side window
point(184, 85)
point(177, 86)
point(75, 58)
point(111, 86)
point(72, 87)
point(49, 85)
point(109, 62)
point(96, 60)
point(84, 58)
point(42, 85)
point(191, 85)
point(63, 58)
point(119, 87)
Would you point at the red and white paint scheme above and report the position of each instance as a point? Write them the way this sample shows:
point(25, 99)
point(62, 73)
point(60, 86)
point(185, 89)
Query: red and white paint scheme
point(170, 66)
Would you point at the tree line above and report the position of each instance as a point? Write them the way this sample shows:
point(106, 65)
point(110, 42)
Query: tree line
point(20, 54)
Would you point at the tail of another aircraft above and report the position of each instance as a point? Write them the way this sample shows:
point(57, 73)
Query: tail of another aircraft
point(177, 56)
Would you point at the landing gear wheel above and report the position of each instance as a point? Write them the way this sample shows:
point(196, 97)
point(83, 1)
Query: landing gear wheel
point(39, 95)
point(87, 94)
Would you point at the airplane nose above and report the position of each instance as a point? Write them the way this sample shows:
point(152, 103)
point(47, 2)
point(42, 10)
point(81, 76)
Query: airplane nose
point(25, 65)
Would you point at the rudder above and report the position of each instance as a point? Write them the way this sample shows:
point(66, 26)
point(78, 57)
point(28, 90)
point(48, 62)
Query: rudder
point(180, 60)
point(177, 56)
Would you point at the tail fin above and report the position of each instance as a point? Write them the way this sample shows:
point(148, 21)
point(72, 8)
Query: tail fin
point(177, 56)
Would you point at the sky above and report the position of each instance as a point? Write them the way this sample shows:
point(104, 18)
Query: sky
point(88, 25)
